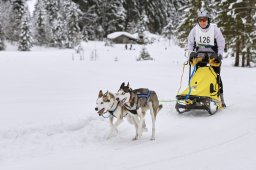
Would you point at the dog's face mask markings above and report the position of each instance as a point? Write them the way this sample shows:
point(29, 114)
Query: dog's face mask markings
point(123, 95)
point(100, 108)
point(103, 103)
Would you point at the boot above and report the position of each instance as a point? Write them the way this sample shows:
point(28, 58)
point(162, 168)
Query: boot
point(222, 100)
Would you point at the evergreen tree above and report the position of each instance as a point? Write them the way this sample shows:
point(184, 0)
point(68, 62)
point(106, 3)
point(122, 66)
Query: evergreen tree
point(236, 19)
point(40, 21)
point(52, 9)
point(156, 12)
point(2, 44)
point(246, 12)
point(116, 15)
point(90, 17)
point(112, 16)
point(142, 24)
point(85, 36)
point(173, 19)
point(59, 38)
point(25, 38)
point(18, 9)
point(90, 31)
point(132, 15)
point(73, 14)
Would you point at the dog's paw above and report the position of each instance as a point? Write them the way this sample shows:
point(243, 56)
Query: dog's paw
point(140, 134)
point(152, 138)
point(135, 138)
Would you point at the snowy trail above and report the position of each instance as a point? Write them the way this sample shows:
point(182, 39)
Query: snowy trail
point(47, 117)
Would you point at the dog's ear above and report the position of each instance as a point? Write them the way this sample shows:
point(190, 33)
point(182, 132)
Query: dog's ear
point(128, 84)
point(106, 94)
point(100, 94)
point(111, 95)
point(105, 97)
point(122, 85)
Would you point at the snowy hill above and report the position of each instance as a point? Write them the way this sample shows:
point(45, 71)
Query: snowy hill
point(47, 117)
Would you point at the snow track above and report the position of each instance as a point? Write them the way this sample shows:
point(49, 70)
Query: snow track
point(47, 117)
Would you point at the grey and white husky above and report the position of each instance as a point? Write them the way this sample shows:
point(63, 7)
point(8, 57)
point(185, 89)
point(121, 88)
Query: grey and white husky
point(107, 103)
point(139, 101)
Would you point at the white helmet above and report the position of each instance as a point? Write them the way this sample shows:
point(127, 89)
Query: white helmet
point(202, 13)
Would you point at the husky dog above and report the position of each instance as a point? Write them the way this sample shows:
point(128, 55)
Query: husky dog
point(107, 103)
point(139, 101)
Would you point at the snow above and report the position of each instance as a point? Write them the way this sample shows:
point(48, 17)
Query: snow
point(117, 34)
point(47, 117)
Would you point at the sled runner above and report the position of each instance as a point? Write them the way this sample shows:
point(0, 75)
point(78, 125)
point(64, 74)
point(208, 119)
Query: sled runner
point(203, 89)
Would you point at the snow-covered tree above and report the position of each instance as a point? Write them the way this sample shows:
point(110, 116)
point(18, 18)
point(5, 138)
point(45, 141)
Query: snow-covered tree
point(90, 30)
point(236, 19)
point(59, 38)
point(156, 12)
point(52, 10)
point(25, 38)
point(85, 36)
point(143, 23)
point(144, 55)
point(111, 16)
point(41, 27)
point(173, 19)
point(18, 9)
point(132, 15)
point(90, 17)
point(2, 44)
point(73, 14)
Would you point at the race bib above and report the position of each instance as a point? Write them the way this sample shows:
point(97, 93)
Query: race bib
point(205, 38)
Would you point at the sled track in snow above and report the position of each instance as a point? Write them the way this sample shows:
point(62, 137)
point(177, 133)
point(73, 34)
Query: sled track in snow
point(194, 152)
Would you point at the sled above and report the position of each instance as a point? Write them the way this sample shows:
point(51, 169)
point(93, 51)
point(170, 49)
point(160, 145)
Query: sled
point(202, 92)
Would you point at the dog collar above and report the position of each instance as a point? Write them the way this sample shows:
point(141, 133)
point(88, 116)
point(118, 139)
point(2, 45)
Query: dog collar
point(112, 111)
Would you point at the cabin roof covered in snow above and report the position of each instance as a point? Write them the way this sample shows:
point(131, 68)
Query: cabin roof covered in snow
point(118, 34)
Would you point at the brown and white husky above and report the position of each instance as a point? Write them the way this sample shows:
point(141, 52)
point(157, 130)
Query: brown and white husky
point(139, 101)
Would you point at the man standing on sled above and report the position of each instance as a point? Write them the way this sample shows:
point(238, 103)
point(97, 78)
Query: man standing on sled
point(207, 37)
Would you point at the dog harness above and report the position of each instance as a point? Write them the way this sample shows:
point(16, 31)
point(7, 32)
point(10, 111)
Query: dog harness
point(144, 95)
point(140, 96)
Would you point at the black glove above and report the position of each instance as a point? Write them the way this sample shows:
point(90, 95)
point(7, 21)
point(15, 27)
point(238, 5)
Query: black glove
point(192, 55)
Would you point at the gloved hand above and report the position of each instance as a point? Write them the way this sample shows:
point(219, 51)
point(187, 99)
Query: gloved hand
point(192, 55)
